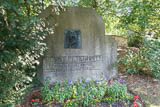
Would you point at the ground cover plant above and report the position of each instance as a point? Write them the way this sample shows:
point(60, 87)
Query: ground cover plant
point(82, 93)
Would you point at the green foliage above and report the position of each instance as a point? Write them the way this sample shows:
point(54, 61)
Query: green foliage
point(21, 44)
point(6, 105)
point(117, 91)
point(139, 18)
point(57, 92)
point(84, 93)
point(147, 59)
point(134, 40)
point(86, 3)
point(135, 13)
point(151, 52)
point(79, 93)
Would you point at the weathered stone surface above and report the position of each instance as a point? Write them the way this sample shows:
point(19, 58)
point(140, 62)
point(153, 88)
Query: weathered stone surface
point(78, 48)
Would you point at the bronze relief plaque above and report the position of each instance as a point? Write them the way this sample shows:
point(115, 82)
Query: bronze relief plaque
point(72, 39)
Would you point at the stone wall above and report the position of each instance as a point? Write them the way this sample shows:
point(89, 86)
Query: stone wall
point(121, 41)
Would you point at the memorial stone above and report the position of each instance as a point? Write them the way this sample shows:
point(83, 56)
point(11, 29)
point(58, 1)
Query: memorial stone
point(78, 48)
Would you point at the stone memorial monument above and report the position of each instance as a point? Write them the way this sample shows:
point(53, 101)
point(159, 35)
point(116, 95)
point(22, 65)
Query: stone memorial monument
point(78, 48)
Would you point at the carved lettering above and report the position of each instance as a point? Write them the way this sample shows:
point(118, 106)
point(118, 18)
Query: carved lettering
point(71, 63)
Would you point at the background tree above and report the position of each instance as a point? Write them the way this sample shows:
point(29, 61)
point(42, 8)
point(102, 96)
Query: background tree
point(139, 18)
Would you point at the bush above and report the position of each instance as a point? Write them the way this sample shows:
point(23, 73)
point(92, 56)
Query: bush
point(21, 44)
point(146, 60)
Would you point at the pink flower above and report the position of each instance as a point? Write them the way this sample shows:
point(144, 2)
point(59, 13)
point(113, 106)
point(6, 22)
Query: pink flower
point(135, 97)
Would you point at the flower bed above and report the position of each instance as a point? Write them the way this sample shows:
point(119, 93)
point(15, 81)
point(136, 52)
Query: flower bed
point(82, 93)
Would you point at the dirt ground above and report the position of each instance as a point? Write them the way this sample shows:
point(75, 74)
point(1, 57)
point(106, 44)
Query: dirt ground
point(144, 86)
point(147, 87)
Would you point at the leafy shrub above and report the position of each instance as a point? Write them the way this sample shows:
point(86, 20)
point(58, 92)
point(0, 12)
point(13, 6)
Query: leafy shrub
point(21, 44)
point(147, 59)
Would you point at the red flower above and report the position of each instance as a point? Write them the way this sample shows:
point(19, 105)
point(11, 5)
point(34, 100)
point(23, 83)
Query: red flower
point(135, 97)
point(135, 105)
point(11, 24)
point(33, 100)
point(109, 82)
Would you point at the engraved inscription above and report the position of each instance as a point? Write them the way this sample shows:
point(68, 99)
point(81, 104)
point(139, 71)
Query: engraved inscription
point(71, 63)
